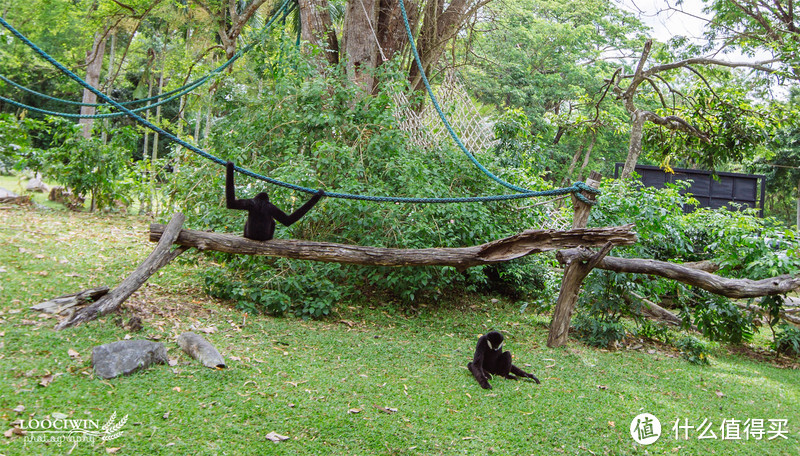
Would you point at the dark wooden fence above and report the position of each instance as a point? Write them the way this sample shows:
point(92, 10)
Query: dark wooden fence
point(746, 190)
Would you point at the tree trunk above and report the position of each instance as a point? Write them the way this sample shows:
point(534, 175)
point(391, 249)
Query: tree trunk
point(574, 273)
point(587, 156)
point(391, 29)
point(575, 157)
point(317, 28)
point(526, 243)
point(94, 64)
point(439, 25)
point(360, 41)
point(635, 144)
point(798, 207)
point(108, 84)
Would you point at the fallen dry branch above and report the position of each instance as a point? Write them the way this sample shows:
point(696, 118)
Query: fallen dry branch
point(63, 303)
point(786, 315)
point(528, 242)
point(731, 288)
point(159, 257)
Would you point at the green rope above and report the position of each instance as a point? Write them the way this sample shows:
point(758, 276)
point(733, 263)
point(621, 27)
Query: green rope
point(284, 9)
point(575, 188)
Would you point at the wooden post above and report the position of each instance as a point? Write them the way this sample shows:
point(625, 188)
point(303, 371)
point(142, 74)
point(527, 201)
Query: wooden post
point(574, 273)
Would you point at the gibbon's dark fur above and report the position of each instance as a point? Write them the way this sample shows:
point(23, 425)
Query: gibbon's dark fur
point(490, 359)
point(260, 225)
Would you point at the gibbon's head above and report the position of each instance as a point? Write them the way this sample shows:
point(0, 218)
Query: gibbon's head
point(495, 340)
point(262, 197)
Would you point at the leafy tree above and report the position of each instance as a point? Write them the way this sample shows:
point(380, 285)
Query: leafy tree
point(86, 166)
point(757, 26)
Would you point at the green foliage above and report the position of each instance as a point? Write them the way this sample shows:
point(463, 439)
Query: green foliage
point(743, 245)
point(653, 330)
point(721, 320)
point(15, 140)
point(599, 332)
point(309, 293)
point(515, 144)
point(531, 277)
point(787, 341)
point(736, 128)
point(693, 350)
point(323, 131)
point(86, 165)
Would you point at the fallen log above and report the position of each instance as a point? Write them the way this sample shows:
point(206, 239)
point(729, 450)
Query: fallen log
point(159, 257)
point(526, 243)
point(731, 288)
point(63, 303)
point(200, 349)
point(653, 310)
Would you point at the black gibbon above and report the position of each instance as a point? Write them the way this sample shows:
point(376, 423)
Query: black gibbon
point(260, 225)
point(490, 359)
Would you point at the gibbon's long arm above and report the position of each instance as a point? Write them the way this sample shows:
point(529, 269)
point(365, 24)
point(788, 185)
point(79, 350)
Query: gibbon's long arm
point(287, 220)
point(230, 192)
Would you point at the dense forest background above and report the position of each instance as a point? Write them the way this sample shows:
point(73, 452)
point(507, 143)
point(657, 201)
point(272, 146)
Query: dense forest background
point(320, 93)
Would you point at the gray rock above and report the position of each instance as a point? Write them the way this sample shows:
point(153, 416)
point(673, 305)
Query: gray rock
point(126, 357)
point(37, 185)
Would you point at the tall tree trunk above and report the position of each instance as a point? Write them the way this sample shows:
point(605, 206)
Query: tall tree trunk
point(317, 28)
point(108, 83)
point(391, 30)
point(360, 41)
point(798, 207)
point(587, 156)
point(94, 63)
point(575, 157)
point(635, 144)
point(439, 25)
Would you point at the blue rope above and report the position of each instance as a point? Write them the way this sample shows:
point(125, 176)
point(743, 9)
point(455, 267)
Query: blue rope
point(446, 123)
point(575, 188)
point(284, 9)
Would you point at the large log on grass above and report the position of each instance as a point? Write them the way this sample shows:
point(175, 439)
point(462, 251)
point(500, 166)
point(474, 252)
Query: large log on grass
point(732, 288)
point(528, 242)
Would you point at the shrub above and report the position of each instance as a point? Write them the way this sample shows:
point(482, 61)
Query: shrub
point(598, 332)
point(744, 246)
point(322, 131)
point(693, 350)
point(787, 340)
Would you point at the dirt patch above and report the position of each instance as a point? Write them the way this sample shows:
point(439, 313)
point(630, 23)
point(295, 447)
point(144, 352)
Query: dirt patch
point(764, 355)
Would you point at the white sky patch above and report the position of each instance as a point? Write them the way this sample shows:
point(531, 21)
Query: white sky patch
point(667, 19)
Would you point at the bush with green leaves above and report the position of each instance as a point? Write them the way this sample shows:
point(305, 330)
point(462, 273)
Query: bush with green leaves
point(87, 166)
point(15, 140)
point(599, 331)
point(743, 245)
point(787, 340)
point(321, 131)
point(693, 350)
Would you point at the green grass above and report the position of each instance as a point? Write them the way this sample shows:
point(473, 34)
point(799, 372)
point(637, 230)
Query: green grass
point(303, 379)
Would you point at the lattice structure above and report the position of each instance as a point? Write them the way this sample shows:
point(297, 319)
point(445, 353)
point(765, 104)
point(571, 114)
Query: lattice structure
point(425, 128)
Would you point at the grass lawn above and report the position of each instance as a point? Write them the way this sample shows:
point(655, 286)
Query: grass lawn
point(375, 378)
